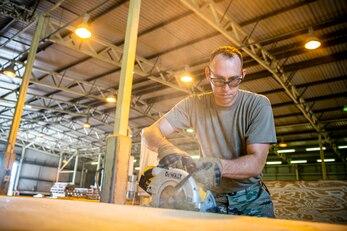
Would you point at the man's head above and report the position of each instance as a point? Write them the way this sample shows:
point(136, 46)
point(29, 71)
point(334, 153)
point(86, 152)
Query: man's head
point(225, 73)
point(227, 51)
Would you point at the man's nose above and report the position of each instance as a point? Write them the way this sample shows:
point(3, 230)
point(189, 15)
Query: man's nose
point(226, 86)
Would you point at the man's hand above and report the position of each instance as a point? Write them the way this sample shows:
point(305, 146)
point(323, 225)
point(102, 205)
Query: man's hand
point(209, 172)
point(171, 156)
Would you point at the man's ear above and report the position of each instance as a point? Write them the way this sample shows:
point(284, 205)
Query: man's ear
point(244, 73)
point(207, 74)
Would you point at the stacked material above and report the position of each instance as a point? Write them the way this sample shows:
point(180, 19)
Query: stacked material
point(93, 193)
point(58, 189)
point(72, 191)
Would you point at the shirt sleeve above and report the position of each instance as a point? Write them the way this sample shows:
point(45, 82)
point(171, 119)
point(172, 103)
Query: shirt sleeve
point(179, 115)
point(261, 128)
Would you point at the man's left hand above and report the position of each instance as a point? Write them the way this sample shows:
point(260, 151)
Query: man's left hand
point(209, 172)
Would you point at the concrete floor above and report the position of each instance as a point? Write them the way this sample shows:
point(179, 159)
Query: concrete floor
point(17, 213)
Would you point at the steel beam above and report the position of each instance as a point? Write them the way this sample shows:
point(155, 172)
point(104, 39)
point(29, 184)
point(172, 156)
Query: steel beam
point(321, 153)
point(10, 155)
point(86, 89)
point(16, 11)
point(182, 45)
point(59, 167)
point(23, 142)
point(235, 34)
point(113, 54)
point(39, 126)
point(92, 90)
point(75, 169)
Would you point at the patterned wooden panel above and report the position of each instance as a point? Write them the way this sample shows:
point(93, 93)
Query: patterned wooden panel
point(322, 201)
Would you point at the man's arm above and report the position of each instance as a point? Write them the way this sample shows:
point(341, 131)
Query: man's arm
point(168, 154)
point(155, 135)
point(246, 166)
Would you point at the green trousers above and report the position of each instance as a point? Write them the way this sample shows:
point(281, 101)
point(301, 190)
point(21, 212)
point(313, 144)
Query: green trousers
point(253, 201)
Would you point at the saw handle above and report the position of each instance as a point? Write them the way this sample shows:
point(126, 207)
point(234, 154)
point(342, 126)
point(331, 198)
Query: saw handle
point(181, 161)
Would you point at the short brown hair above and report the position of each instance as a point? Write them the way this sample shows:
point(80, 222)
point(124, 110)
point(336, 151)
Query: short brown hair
point(227, 51)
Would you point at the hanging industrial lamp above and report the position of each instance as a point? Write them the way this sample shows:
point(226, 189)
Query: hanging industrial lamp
point(65, 159)
point(111, 98)
point(282, 144)
point(10, 71)
point(86, 124)
point(190, 130)
point(83, 30)
point(186, 77)
point(312, 42)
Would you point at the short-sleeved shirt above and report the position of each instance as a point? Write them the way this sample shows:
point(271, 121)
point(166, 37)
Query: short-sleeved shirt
point(225, 132)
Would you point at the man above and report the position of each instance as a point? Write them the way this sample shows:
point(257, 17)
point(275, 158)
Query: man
point(234, 129)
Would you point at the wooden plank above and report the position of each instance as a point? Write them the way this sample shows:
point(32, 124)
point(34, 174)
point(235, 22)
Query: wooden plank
point(19, 213)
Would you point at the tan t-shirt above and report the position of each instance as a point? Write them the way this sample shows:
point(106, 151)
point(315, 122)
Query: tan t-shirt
point(225, 132)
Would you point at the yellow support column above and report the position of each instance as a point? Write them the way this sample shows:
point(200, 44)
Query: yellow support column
point(10, 155)
point(119, 144)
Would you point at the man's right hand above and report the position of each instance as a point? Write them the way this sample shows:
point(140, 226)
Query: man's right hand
point(171, 156)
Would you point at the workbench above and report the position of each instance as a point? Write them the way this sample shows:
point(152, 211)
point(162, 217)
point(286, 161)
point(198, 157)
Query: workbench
point(18, 213)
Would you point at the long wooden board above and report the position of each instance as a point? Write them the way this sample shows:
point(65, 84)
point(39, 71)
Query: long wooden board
point(17, 213)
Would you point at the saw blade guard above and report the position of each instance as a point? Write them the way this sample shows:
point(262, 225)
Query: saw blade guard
point(165, 195)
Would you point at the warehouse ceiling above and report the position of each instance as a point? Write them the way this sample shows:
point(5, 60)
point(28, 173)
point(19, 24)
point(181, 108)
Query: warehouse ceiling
point(71, 77)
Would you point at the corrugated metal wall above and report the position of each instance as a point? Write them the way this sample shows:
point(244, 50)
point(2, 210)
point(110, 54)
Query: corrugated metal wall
point(335, 171)
point(39, 171)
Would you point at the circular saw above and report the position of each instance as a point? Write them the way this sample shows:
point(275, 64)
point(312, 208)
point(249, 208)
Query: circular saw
point(175, 189)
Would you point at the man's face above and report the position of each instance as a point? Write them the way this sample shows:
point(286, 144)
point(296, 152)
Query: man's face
point(225, 69)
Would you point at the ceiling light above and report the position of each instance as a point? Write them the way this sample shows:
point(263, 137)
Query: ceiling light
point(286, 151)
point(111, 99)
point(314, 149)
point(9, 71)
point(86, 125)
point(83, 30)
point(282, 144)
point(186, 79)
point(190, 130)
point(342, 147)
point(195, 157)
point(326, 160)
point(312, 42)
point(273, 162)
point(298, 161)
